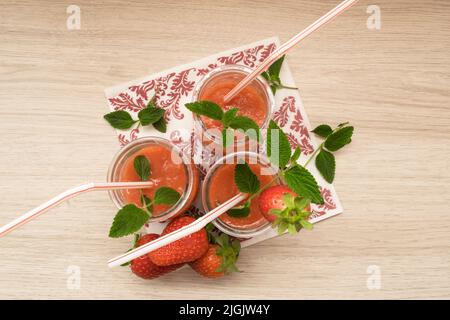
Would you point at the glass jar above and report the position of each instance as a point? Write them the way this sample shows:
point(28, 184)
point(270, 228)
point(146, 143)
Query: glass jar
point(255, 101)
point(169, 165)
point(218, 186)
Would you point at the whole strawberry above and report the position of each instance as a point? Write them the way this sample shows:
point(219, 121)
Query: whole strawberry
point(220, 258)
point(186, 249)
point(280, 205)
point(143, 267)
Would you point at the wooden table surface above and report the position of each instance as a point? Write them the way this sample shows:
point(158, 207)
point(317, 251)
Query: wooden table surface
point(392, 84)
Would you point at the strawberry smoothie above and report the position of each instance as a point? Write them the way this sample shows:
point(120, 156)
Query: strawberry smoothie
point(219, 186)
point(167, 169)
point(250, 101)
point(256, 101)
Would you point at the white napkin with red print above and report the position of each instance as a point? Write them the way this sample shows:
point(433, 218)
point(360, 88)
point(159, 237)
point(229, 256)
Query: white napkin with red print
point(175, 87)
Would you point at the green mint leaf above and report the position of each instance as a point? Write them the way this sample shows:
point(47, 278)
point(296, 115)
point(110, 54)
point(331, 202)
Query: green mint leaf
point(323, 130)
point(340, 125)
point(278, 141)
point(227, 137)
point(206, 108)
point(147, 204)
point(142, 167)
point(272, 75)
point(228, 116)
point(150, 115)
point(128, 220)
point(166, 195)
point(326, 164)
point(296, 155)
point(275, 68)
point(303, 183)
point(161, 125)
point(239, 212)
point(338, 139)
point(247, 125)
point(120, 119)
point(245, 179)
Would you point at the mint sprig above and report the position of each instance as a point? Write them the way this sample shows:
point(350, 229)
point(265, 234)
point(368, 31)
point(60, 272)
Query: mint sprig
point(120, 119)
point(151, 115)
point(272, 75)
point(334, 140)
point(229, 119)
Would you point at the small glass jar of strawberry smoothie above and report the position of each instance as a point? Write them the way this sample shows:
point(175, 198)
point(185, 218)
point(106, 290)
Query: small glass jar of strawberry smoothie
point(255, 101)
point(169, 167)
point(219, 186)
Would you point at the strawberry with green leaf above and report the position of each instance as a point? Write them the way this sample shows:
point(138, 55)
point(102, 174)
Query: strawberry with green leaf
point(285, 209)
point(220, 259)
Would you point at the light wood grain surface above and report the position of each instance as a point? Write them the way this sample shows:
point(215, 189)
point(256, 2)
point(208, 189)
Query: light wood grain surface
point(392, 84)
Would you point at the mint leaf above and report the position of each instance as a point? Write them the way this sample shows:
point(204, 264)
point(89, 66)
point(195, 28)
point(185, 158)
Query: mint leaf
point(323, 130)
point(120, 119)
point(228, 116)
point(326, 164)
point(142, 167)
point(206, 108)
point(150, 115)
point(128, 220)
point(166, 195)
point(303, 183)
point(250, 128)
point(227, 137)
point(161, 125)
point(239, 212)
point(296, 155)
point(275, 68)
point(338, 139)
point(245, 179)
point(272, 75)
point(278, 141)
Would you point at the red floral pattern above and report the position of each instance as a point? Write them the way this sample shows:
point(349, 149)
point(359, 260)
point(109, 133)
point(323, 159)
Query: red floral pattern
point(329, 204)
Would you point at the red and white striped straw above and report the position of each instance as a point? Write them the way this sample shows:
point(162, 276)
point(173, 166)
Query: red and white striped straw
point(34, 213)
point(179, 233)
point(283, 49)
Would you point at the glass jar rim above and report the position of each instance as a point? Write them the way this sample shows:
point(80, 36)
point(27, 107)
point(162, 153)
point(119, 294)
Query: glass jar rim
point(230, 68)
point(219, 224)
point(128, 150)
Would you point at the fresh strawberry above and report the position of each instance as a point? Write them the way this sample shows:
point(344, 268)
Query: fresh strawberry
point(143, 267)
point(220, 258)
point(186, 249)
point(280, 205)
